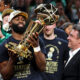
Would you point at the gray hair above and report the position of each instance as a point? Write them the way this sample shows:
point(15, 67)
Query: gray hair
point(77, 27)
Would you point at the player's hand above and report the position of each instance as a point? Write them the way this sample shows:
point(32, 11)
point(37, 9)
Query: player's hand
point(34, 39)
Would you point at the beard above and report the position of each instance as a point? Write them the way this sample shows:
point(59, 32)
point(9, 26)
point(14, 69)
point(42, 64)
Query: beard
point(17, 29)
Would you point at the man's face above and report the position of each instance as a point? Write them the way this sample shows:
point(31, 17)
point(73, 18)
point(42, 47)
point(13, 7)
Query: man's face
point(7, 6)
point(73, 39)
point(19, 24)
point(49, 29)
point(39, 1)
point(2, 6)
point(5, 19)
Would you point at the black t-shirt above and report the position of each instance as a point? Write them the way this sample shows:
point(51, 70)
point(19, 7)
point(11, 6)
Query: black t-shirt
point(60, 33)
point(24, 69)
point(57, 52)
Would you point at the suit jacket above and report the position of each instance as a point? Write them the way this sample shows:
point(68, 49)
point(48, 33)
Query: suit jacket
point(72, 69)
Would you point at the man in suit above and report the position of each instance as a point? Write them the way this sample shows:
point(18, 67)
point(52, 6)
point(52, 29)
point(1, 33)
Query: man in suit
point(72, 67)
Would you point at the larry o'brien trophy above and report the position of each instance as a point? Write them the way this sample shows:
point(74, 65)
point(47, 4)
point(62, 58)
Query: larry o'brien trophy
point(46, 16)
point(22, 48)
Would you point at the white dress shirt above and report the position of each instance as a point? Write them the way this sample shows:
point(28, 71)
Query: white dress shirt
point(1, 77)
point(71, 54)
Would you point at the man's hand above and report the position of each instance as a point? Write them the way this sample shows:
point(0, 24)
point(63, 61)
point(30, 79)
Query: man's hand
point(34, 40)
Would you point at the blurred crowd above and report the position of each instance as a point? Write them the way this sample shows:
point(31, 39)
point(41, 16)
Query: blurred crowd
point(68, 11)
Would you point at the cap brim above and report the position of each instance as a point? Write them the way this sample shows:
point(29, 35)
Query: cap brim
point(23, 14)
